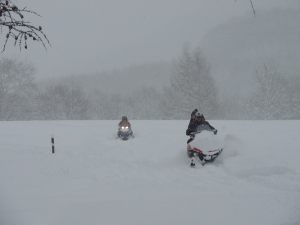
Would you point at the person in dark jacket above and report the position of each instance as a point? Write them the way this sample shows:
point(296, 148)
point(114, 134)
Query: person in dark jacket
point(197, 124)
point(124, 123)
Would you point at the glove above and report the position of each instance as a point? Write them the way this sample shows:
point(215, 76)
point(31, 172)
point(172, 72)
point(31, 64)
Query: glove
point(215, 131)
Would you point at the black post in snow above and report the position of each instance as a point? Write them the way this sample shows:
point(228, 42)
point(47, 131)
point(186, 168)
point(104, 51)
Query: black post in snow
point(52, 141)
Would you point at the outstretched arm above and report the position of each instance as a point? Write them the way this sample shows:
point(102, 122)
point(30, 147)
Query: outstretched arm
point(206, 126)
point(211, 127)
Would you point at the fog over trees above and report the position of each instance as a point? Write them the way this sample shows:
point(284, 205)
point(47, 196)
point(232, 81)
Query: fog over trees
point(192, 86)
point(243, 69)
point(17, 90)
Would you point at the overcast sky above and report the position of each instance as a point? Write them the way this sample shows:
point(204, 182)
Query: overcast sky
point(94, 35)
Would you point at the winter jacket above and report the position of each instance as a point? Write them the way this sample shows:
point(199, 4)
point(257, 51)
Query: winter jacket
point(124, 123)
point(197, 124)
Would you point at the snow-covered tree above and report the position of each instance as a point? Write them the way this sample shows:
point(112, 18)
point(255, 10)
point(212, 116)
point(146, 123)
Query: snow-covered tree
point(144, 103)
point(271, 99)
point(63, 102)
point(293, 111)
point(141, 104)
point(192, 86)
point(17, 90)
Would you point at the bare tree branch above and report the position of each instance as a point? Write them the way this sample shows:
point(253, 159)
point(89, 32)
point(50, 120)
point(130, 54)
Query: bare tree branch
point(252, 6)
point(253, 9)
point(14, 26)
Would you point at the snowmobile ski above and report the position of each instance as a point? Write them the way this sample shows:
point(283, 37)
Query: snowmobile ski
point(203, 158)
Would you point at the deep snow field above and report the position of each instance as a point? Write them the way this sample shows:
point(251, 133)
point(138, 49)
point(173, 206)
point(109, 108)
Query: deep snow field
point(94, 178)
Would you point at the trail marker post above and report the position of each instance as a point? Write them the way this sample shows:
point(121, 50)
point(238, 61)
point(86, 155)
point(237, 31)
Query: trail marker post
point(52, 143)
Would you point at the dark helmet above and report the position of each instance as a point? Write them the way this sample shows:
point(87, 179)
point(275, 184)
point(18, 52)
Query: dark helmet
point(199, 116)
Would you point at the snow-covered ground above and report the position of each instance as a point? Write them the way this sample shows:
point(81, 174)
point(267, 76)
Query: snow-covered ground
point(96, 179)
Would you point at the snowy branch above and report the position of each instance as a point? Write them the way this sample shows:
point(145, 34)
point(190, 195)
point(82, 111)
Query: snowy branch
point(13, 26)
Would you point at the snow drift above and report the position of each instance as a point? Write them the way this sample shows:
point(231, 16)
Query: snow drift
point(94, 178)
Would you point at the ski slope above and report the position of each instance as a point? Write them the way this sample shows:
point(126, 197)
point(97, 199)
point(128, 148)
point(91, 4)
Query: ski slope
point(94, 178)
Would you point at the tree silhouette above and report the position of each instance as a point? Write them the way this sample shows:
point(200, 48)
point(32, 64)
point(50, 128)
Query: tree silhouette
point(13, 25)
point(192, 86)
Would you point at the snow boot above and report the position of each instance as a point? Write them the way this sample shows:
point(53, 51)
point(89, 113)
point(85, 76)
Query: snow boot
point(193, 162)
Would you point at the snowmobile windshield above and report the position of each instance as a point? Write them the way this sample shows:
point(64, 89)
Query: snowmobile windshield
point(206, 141)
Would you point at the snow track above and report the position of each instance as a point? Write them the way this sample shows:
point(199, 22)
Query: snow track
point(95, 178)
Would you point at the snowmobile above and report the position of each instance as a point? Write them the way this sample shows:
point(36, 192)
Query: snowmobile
point(205, 146)
point(125, 133)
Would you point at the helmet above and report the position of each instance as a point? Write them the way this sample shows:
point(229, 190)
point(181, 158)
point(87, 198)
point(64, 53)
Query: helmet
point(197, 114)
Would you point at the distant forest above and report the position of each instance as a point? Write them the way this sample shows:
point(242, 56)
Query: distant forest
point(191, 86)
point(247, 69)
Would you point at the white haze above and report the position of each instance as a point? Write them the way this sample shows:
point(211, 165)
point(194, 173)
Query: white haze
point(138, 58)
point(93, 36)
point(237, 48)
